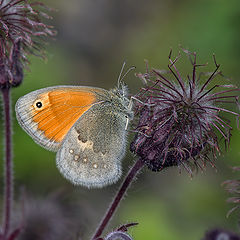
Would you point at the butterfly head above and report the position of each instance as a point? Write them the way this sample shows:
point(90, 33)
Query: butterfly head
point(119, 98)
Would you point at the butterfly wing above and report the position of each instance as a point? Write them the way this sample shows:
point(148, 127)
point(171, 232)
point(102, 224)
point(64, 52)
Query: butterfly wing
point(92, 150)
point(48, 114)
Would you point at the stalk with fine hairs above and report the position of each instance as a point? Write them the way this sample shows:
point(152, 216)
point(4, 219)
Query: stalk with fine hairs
point(8, 181)
point(136, 168)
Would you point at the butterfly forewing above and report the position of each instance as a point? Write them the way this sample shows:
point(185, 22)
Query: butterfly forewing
point(48, 114)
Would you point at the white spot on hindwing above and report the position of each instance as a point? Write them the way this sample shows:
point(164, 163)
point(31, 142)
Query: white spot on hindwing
point(95, 165)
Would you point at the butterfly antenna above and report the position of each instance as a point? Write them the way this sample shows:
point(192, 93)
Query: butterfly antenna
point(119, 77)
point(128, 71)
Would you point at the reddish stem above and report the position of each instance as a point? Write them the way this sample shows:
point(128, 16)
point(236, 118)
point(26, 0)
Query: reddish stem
point(118, 197)
point(8, 183)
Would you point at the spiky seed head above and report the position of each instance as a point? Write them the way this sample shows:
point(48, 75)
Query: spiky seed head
point(180, 120)
point(21, 33)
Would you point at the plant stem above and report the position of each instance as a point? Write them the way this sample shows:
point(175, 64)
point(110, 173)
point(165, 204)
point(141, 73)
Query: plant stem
point(8, 183)
point(118, 197)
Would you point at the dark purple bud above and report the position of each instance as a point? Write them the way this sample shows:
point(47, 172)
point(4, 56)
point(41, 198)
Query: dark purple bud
point(118, 235)
point(220, 234)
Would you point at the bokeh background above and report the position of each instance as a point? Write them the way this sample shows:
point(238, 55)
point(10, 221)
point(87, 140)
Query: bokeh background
point(94, 38)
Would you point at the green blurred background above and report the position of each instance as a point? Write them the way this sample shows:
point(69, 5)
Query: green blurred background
point(94, 38)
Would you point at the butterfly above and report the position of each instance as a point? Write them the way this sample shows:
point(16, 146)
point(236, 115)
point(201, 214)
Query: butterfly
point(86, 126)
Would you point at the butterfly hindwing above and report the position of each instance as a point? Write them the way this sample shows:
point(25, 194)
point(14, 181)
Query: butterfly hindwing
point(91, 152)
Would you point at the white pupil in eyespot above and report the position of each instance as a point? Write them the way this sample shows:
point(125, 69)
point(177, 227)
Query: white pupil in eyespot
point(38, 104)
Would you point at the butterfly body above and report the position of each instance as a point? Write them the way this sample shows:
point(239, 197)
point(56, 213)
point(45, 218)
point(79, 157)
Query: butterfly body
point(86, 126)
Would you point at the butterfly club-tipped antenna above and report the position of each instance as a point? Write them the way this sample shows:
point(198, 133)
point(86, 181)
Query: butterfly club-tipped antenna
point(122, 76)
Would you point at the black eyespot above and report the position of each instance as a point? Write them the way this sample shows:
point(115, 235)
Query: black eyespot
point(38, 104)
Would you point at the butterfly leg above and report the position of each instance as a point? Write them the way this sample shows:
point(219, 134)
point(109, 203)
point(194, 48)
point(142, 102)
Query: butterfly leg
point(137, 100)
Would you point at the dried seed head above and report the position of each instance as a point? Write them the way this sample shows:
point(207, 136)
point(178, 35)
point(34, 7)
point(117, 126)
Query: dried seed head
point(21, 33)
point(180, 121)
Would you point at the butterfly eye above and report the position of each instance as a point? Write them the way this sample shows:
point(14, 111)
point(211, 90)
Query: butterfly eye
point(39, 104)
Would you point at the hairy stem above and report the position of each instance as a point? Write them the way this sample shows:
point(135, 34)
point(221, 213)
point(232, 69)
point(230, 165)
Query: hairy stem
point(8, 181)
point(118, 197)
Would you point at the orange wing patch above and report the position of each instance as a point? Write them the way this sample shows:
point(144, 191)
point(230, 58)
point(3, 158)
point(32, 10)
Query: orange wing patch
point(56, 111)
